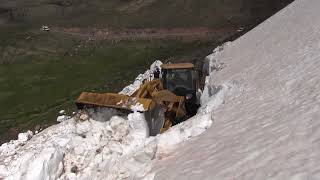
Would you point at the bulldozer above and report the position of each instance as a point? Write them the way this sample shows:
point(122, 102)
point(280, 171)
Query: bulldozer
point(170, 98)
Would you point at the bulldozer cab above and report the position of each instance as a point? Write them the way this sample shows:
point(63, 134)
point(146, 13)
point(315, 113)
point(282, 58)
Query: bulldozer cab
point(183, 80)
point(179, 78)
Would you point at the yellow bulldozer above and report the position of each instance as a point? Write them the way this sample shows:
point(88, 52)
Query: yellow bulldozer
point(170, 98)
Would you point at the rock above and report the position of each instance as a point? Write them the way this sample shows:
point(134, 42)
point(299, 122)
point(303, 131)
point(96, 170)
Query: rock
point(37, 128)
point(74, 169)
point(62, 112)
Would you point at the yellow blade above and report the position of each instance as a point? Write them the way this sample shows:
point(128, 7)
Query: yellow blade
point(112, 100)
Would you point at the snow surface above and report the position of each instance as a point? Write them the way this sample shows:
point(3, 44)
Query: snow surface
point(105, 147)
point(268, 123)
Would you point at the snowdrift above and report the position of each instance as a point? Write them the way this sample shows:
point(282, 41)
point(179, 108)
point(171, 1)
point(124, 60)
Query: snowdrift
point(268, 123)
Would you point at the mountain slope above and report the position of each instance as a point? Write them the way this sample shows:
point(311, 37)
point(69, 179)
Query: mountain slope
point(138, 13)
point(268, 125)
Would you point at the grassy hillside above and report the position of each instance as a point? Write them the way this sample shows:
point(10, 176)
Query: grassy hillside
point(139, 13)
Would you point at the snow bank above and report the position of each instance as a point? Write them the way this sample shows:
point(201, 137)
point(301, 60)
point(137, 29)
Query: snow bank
point(266, 124)
point(76, 148)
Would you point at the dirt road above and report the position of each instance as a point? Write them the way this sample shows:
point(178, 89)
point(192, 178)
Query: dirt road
point(187, 34)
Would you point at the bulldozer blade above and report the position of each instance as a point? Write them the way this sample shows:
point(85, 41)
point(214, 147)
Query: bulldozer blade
point(154, 113)
point(112, 100)
point(155, 119)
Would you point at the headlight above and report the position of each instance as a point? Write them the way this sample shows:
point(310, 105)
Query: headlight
point(188, 96)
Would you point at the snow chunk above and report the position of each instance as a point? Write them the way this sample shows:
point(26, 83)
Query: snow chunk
point(137, 107)
point(63, 118)
point(23, 137)
point(62, 112)
point(139, 126)
point(47, 165)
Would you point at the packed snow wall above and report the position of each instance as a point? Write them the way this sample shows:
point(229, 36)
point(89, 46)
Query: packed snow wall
point(268, 124)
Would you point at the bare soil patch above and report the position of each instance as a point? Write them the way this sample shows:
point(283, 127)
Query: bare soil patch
point(187, 34)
